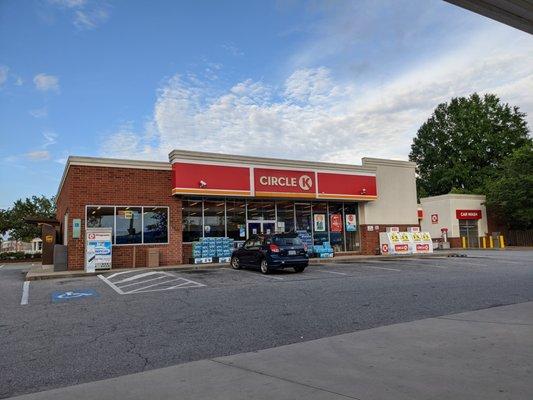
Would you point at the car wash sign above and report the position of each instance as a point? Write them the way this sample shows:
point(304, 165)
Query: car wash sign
point(468, 214)
point(268, 182)
point(98, 245)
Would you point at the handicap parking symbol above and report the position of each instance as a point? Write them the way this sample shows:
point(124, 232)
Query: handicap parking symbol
point(73, 294)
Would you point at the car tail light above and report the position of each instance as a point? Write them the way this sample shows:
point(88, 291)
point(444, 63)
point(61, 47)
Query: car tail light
point(274, 248)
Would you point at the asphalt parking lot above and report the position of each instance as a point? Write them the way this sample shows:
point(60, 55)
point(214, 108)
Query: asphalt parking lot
point(84, 329)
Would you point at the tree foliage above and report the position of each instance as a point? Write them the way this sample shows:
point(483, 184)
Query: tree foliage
point(510, 195)
point(12, 219)
point(464, 144)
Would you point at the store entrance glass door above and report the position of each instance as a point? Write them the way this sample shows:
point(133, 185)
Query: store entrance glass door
point(261, 227)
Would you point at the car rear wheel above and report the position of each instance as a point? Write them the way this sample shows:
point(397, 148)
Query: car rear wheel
point(299, 269)
point(235, 263)
point(264, 267)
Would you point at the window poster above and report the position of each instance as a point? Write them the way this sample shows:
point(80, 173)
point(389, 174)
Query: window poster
point(335, 222)
point(320, 222)
point(351, 222)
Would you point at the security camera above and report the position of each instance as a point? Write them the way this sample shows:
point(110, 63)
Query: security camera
point(203, 184)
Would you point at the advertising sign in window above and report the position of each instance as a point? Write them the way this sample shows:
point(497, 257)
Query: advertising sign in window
point(335, 222)
point(351, 222)
point(320, 222)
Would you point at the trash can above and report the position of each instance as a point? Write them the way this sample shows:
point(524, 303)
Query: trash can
point(153, 257)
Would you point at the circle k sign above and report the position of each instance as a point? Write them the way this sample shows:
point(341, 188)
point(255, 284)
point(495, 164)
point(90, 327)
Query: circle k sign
point(305, 182)
point(384, 248)
point(434, 218)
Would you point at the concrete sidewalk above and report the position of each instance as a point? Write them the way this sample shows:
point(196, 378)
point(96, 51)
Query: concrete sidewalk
point(486, 354)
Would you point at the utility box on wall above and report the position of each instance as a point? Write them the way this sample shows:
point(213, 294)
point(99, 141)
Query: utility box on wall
point(153, 257)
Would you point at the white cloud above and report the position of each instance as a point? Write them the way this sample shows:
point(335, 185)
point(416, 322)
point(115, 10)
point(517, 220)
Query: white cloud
point(90, 19)
point(38, 155)
point(39, 112)
point(85, 14)
point(232, 49)
point(44, 82)
point(4, 70)
point(50, 138)
point(317, 117)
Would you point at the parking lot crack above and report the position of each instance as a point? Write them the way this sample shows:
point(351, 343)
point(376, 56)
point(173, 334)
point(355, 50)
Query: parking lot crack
point(133, 350)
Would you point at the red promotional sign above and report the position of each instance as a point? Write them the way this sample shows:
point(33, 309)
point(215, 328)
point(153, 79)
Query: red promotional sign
point(468, 214)
point(384, 248)
point(422, 247)
point(434, 218)
point(400, 248)
point(335, 222)
point(268, 181)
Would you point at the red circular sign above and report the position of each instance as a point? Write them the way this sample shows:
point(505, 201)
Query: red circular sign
point(385, 248)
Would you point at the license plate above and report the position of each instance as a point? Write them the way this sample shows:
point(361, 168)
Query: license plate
point(292, 252)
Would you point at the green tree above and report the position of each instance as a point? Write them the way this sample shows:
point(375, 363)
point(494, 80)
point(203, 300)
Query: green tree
point(465, 142)
point(12, 219)
point(510, 196)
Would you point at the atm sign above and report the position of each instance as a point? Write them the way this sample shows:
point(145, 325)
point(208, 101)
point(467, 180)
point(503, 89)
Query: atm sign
point(468, 214)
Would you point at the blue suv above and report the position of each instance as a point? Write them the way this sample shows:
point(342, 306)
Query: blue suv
point(271, 252)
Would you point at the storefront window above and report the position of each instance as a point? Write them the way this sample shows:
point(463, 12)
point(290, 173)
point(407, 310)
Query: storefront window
point(336, 231)
point(214, 220)
point(261, 210)
point(192, 220)
point(129, 225)
point(303, 217)
point(285, 216)
point(320, 223)
point(155, 225)
point(101, 217)
point(236, 217)
point(351, 226)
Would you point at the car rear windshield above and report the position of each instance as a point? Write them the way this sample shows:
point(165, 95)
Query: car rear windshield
point(287, 241)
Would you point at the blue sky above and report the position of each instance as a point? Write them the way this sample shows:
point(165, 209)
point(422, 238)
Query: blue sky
point(331, 81)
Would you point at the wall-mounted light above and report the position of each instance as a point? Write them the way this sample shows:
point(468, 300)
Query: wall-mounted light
point(202, 184)
point(363, 191)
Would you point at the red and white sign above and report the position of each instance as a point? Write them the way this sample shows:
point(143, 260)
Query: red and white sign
point(335, 222)
point(401, 248)
point(422, 248)
point(468, 214)
point(434, 218)
point(250, 180)
point(384, 248)
point(273, 181)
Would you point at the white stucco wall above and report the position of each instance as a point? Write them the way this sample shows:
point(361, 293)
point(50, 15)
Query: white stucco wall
point(445, 206)
point(396, 203)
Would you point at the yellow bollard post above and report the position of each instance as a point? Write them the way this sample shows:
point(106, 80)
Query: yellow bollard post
point(484, 242)
point(463, 242)
point(502, 243)
point(491, 242)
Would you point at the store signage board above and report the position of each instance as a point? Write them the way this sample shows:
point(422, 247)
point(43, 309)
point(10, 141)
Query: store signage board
point(468, 214)
point(98, 249)
point(76, 228)
point(434, 218)
point(261, 181)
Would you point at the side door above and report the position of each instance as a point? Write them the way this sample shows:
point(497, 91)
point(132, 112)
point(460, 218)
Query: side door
point(255, 252)
point(246, 252)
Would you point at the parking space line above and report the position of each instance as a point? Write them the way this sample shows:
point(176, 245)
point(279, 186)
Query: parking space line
point(156, 284)
point(147, 280)
point(135, 277)
point(1, 266)
point(387, 269)
point(256, 274)
point(332, 272)
point(25, 293)
point(111, 284)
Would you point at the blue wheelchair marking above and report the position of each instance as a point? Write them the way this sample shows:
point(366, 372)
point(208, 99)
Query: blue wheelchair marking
point(73, 295)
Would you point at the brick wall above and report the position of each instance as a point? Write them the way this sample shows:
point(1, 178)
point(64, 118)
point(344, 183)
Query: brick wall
point(92, 185)
point(370, 239)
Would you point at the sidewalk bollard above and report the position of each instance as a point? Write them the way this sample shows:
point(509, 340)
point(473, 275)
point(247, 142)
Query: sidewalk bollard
point(502, 243)
point(484, 242)
point(463, 241)
point(491, 242)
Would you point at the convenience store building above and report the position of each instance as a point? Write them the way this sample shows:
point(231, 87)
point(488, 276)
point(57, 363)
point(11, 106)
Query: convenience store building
point(169, 205)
